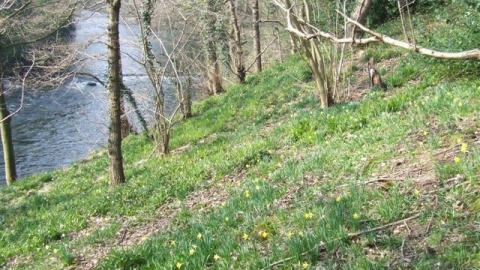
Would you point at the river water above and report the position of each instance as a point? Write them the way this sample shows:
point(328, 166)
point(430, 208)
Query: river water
point(60, 126)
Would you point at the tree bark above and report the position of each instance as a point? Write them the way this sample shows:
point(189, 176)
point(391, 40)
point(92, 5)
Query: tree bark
point(240, 70)
point(115, 166)
point(213, 72)
point(126, 127)
point(256, 36)
point(7, 140)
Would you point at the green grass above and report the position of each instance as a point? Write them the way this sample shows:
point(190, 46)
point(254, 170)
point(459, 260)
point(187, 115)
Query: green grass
point(268, 179)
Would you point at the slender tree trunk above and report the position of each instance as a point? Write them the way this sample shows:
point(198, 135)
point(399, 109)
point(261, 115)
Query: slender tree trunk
point(256, 35)
point(240, 70)
point(213, 72)
point(7, 140)
point(115, 166)
point(126, 127)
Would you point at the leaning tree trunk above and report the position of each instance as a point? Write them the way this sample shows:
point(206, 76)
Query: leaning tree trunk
point(256, 36)
point(360, 15)
point(115, 165)
point(7, 140)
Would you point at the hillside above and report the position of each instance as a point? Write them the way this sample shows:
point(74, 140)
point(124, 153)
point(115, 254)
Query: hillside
point(262, 178)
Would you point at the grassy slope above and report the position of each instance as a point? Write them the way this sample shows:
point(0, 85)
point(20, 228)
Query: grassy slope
point(262, 176)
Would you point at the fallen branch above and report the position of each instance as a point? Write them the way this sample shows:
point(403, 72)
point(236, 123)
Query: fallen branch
point(376, 37)
point(471, 54)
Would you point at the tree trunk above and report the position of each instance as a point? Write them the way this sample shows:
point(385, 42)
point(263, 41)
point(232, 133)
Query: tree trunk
point(256, 35)
point(126, 127)
point(7, 140)
point(115, 165)
point(360, 15)
point(186, 97)
point(240, 70)
point(213, 70)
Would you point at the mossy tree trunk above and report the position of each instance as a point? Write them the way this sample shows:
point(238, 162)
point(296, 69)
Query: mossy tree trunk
point(115, 165)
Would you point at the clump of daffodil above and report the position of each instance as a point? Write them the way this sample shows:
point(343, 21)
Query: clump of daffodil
point(456, 159)
point(247, 193)
point(308, 215)
point(356, 216)
point(245, 236)
point(216, 257)
point(179, 265)
point(339, 198)
point(305, 265)
point(290, 234)
point(199, 236)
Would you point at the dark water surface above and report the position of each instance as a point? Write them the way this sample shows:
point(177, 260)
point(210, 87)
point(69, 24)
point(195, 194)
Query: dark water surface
point(59, 126)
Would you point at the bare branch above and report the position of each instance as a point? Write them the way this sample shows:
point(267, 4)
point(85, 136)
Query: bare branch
point(20, 107)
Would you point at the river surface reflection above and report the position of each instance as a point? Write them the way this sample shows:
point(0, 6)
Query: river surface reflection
point(60, 126)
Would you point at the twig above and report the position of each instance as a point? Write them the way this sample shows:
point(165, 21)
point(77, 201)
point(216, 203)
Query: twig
point(380, 179)
point(350, 235)
point(353, 235)
point(431, 217)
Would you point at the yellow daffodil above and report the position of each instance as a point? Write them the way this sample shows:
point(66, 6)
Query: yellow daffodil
point(456, 160)
point(216, 257)
point(300, 233)
point(416, 192)
point(305, 265)
point(338, 198)
point(308, 215)
point(245, 236)
point(226, 219)
point(191, 251)
point(172, 243)
point(464, 148)
point(199, 235)
point(179, 265)
point(356, 216)
point(289, 234)
point(247, 194)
